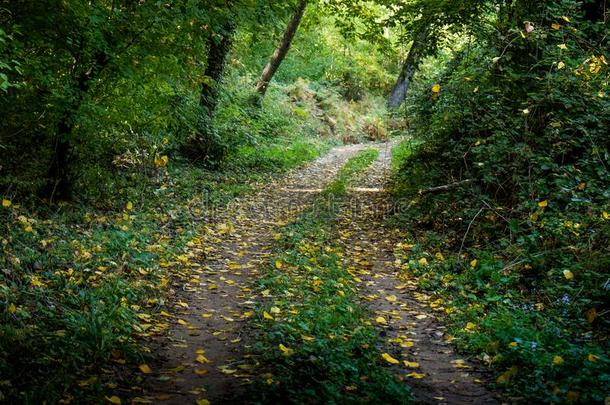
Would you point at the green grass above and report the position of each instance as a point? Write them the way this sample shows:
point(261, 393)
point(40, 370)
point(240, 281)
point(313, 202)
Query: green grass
point(318, 348)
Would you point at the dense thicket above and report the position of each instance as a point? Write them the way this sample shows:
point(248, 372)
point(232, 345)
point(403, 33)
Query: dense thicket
point(516, 121)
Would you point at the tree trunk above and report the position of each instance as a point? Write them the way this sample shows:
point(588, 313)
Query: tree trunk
point(409, 67)
point(217, 57)
point(205, 146)
point(59, 185)
point(282, 49)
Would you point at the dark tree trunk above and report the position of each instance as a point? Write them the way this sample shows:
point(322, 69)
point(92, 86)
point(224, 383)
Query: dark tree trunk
point(282, 49)
point(217, 58)
point(59, 185)
point(401, 88)
point(205, 146)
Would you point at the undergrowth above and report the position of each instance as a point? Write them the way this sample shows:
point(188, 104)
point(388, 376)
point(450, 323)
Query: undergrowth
point(517, 240)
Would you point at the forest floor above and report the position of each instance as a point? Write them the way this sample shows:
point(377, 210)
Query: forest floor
point(207, 356)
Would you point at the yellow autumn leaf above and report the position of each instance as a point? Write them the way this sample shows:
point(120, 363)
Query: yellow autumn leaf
point(436, 88)
point(36, 282)
point(266, 315)
point(560, 66)
point(391, 298)
point(161, 161)
point(605, 215)
point(474, 263)
point(566, 19)
point(568, 274)
point(381, 320)
point(278, 264)
point(389, 358)
point(202, 359)
point(543, 204)
point(274, 310)
point(145, 369)
point(12, 308)
point(6, 203)
point(591, 314)
point(200, 371)
point(470, 327)
point(557, 360)
point(423, 261)
point(562, 46)
point(556, 124)
point(114, 400)
point(202, 402)
point(555, 26)
point(592, 358)
point(129, 206)
point(416, 375)
point(286, 351)
point(513, 344)
point(411, 364)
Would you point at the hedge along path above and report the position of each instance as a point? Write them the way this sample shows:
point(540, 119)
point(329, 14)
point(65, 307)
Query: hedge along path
point(205, 356)
point(413, 340)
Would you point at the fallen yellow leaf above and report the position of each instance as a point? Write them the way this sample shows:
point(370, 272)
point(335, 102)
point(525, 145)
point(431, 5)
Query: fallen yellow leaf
point(6, 203)
point(145, 369)
point(114, 400)
point(557, 360)
point(543, 204)
point(591, 314)
point(416, 375)
point(202, 402)
point(411, 364)
point(568, 274)
point(381, 320)
point(286, 351)
point(266, 315)
point(389, 358)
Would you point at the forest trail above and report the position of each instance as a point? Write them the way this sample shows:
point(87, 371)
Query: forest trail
point(206, 355)
point(407, 320)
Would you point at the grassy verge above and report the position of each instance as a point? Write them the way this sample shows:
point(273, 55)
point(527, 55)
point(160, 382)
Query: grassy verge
point(315, 344)
point(81, 287)
point(538, 325)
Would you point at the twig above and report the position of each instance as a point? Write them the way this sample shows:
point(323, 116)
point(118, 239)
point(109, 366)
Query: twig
point(445, 187)
point(466, 234)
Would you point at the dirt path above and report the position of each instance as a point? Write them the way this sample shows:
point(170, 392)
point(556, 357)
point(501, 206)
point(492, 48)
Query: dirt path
point(206, 353)
point(406, 319)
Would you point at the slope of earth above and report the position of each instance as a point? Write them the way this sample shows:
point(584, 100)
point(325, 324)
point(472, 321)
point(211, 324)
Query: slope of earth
point(205, 356)
point(414, 340)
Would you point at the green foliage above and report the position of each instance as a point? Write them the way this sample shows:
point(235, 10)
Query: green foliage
point(523, 114)
point(317, 347)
